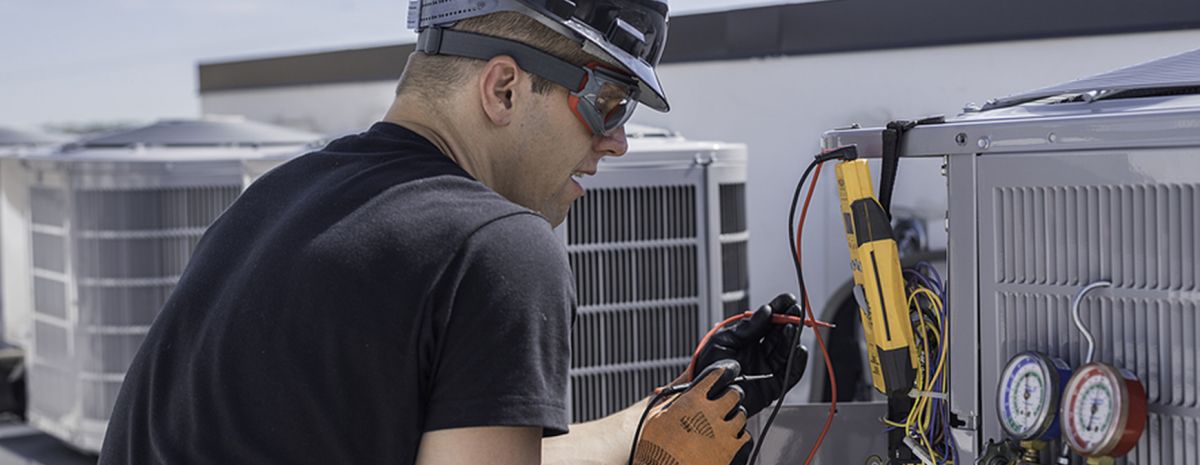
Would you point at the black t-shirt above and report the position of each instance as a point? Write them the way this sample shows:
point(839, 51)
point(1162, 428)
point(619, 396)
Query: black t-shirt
point(348, 301)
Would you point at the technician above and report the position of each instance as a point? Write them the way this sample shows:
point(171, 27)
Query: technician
point(400, 297)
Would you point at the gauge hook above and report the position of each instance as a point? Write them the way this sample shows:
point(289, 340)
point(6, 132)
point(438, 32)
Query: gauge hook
point(1091, 341)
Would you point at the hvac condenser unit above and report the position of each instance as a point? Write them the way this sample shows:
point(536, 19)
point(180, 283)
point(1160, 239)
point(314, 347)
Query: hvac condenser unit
point(112, 223)
point(1096, 179)
point(658, 247)
point(14, 232)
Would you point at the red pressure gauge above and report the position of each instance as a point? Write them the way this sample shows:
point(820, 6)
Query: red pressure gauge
point(1103, 411)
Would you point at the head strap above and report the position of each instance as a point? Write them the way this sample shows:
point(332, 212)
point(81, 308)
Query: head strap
point(441, 41)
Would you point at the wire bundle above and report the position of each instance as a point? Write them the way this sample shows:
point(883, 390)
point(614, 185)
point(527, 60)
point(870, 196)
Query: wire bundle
point(929, 420)
point(794, 242)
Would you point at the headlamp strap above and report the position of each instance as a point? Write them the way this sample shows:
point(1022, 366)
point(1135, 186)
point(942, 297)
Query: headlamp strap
point(440, 41)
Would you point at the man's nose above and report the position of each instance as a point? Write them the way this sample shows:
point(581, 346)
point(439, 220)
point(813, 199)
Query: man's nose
point(612, 143)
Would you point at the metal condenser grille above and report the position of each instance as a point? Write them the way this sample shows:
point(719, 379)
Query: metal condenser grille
point(630, 214)
point(648, 333)
point(1050, 241)
point(1139, 236)
point(1153, 338)
point(101, 278)
point(635, 254)
point(735, 255)
point(624, 275)
point(733, 208)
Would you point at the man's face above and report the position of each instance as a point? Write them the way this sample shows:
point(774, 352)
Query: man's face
point(553, 146)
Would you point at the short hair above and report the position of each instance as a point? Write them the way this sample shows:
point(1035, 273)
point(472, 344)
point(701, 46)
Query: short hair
point(431, 76)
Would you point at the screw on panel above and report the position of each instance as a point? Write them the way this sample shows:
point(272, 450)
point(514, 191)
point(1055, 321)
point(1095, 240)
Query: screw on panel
point(961, 139)
point(984, 142)
point(703, 159)
point(1052, 138)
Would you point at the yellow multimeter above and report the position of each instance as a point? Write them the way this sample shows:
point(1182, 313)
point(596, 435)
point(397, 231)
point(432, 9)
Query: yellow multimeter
point(878, 282)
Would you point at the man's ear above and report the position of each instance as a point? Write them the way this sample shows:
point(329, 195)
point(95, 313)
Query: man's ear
point(498, 85)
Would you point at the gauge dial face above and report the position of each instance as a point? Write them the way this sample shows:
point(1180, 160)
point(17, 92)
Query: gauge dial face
point(1093, 410)
point(1025, 401)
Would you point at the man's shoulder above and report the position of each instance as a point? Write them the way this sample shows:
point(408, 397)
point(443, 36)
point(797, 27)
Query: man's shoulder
point(459, 204)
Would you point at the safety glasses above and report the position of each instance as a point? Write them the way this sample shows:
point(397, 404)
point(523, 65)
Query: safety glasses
point(602, 98)
point(605, 100)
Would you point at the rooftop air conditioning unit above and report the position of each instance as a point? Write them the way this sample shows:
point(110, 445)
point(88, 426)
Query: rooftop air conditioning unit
point(112, 222)
point(658, 247)
point(17, 319)
point(1049, 191)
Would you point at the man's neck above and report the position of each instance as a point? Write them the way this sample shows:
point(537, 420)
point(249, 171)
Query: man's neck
point(446, 136)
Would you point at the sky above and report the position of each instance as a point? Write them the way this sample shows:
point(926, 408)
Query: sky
point(78, 62)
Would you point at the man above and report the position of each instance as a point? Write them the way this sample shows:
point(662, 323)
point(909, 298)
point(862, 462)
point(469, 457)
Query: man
point(400, 297)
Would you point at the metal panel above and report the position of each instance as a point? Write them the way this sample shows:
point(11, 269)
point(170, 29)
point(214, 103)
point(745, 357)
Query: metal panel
point(1180, 70)
point(1164, 122)
point(966, 334)
point(211, 131)
point(854, 437)
point(1050, 223)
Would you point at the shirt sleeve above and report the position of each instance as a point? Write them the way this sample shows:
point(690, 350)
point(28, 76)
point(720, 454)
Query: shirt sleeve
point(505, 352)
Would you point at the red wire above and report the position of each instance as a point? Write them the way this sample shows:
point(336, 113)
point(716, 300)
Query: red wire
point(816, 331)
point(776, 319)
point(811, 322)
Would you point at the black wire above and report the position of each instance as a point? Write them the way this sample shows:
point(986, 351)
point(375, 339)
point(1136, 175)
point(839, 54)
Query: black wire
point(787, 371)
point(637, 432)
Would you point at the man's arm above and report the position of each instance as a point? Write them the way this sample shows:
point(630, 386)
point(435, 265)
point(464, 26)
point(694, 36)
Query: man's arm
point(493, 445)
point(599, 442)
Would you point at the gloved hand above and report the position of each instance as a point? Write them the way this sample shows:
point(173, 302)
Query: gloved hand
point(760, 347)
point(704, 425)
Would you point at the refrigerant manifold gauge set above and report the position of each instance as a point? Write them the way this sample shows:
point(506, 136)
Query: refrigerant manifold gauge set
point(1099, 411)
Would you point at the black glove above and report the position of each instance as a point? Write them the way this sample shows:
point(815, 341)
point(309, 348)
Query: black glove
point(704, 425)
point(760, 347)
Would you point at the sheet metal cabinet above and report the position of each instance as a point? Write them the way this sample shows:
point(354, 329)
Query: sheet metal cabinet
point(112, 222)
point(1051, 190)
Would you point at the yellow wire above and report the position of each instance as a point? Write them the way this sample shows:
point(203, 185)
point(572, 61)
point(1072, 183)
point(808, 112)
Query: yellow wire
point(921, 413)
point(915, 415)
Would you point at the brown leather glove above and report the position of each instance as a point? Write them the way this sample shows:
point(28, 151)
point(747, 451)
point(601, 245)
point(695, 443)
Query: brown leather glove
point(704, 425)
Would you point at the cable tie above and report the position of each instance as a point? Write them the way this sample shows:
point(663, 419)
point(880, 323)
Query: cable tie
point(915, 393)
point(918, 450)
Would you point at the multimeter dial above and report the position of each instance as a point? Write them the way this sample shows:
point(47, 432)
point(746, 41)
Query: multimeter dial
point(1028, 396)
point(1103, 411)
